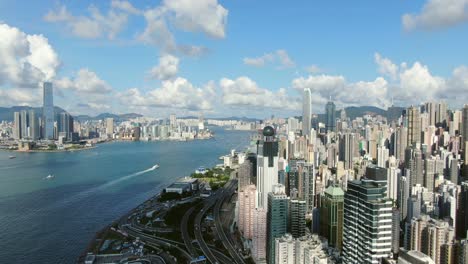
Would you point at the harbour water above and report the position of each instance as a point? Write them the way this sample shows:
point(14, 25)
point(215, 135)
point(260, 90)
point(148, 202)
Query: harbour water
point(52, 220)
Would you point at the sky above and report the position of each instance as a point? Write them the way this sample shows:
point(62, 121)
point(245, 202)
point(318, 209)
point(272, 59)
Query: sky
point(232, 58)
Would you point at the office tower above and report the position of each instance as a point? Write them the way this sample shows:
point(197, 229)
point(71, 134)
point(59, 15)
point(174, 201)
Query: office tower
point(414, 126)
point(245, 174)
point(454, 171)
point(259, 235)
point(429, 174)
point(33, 125)
point(382, 156)
point(65, 125)
point(462, 211)
point(285, 250)
point(401, 140)
point(431, 109)
point(465, 130)
point(17, 125)
point(330, 113)
point(267, 165)
point(403, 194)
point(247, 210)
point(277, 218)
point(414, 162)
point(413, 257)
point(48, 111)
point(348, 149)
point(24, 124)
point(306, 112)
point(110, 127)
point(395, 231)
point(367, 237)
point(393, 174)
point(331, 216)
point(297, 221)
point(441, 117)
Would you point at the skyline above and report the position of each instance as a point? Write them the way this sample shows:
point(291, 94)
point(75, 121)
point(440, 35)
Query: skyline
point(108, 57)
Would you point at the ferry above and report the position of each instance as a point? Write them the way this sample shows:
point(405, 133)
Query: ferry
point(155, 167)
point(12, 157)
point(49, 177)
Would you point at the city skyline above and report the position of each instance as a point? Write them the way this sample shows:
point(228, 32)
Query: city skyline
point(113, 56)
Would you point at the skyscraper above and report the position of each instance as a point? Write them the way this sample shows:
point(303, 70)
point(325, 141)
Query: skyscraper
point(48, 111)
point(24, 124)
point(110, 127)
point(348, 148)
point(331, 216)
point(306, 112)
point(17, 125)
point(330, 112)
point(414, 126)
point(367, 236)
point(277, 218)
point(267, 165)
point(297, 221)
point(246, 210)
point(33, 125)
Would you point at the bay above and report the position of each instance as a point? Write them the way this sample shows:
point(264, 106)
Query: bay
point(53, 220)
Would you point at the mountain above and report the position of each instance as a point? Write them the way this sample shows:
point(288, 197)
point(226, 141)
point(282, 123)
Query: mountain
point(393, 113)
point(6, 113)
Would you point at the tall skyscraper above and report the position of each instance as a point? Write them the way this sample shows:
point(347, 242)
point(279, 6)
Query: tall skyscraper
point(465, 129)
point(259, 235)
point(65, 125)
point(267, 165)
point(401, 141)
point(24, 124)
point(331, 216)
point(414, 126)
point(367, 237)
point(247, 210)
point(277, 218)
point(48, 111)
point(17, 125)
point(297, 221)
point(245, 174)
point(306, 112)
point(110, 127)
point(34, 132)
point(330, 112)
point(348, 148)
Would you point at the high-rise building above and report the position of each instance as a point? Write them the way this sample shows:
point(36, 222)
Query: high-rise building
point(267, 165)
point(17, 125)
point(401, 141)
point(245, 174)
point(110, 127)
point(277, 218)
point(461, 226)
point(465, 129)
point(348, 149)
point(48, 111)
point(413, 257)
point(414, 162)
point(331, 216)
point(414, 126)
point(395, 231)
point(382, 156)
point(306, 112)
point(34, 132)
point(285, 250)
point(431, 109)
point(441, 117)
point(247, 210)
point(259, 235)
point(297, 222)
point(367, 237)
point(65, 125)
point(24, 124)
point(330, 112)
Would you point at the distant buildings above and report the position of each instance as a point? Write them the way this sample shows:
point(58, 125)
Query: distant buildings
point(48, 111)
point(306, 112)
point(330, 113)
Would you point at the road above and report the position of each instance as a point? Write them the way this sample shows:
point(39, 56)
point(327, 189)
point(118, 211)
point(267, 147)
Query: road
point(227, 243)
point(185, 234)
point(198, 232)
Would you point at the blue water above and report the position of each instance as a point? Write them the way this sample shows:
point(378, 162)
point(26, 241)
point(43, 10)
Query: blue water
point(52, 221)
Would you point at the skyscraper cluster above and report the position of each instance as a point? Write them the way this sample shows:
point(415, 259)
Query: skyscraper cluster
point(358, 189)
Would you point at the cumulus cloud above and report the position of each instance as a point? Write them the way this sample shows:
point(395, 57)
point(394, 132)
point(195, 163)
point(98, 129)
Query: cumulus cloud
point(176, 93)
point(85, 82)
point(244, 92)
point(279, 56)
point(26, 60)
point(167, 68)
point(125, 6)
point(386, 66)
point(96, 25)
point(14, 97)
point(437, 14)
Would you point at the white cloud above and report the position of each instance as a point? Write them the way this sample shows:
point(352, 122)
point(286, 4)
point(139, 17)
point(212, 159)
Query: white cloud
point(96, 25)
point(280, 56)
point(14, 97)
point(125, 6)
point(192, 51)
point(26, 60)
point(386, 66)
point(437, 14)
point(244, 92)
point(176, 93)
point(85, 83)
point(167, 68)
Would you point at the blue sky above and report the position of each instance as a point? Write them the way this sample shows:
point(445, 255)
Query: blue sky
point(255, 58)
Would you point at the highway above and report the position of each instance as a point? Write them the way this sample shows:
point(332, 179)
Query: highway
point(227, 243)
point(185, 235)
point(198, 232)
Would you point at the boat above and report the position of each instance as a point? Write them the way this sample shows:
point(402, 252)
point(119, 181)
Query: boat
point(49, 177)
point(12, 157)
point(155, 167)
